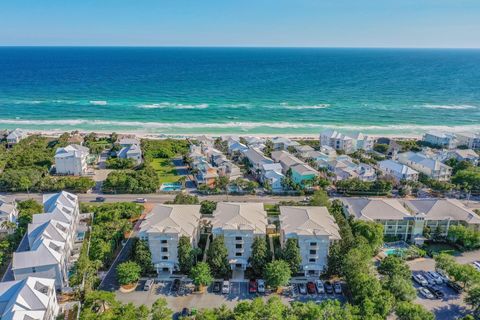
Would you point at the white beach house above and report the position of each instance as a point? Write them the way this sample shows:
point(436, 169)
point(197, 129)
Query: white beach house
point(432, 168)
point(31, 298)
point(71, 160)
point(397, 170)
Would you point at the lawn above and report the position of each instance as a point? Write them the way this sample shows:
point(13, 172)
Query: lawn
point(165, 170)
point(436, 248)
point(272, 209)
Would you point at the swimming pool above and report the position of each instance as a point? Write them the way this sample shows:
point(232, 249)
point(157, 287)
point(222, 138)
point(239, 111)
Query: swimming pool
point(171, 186)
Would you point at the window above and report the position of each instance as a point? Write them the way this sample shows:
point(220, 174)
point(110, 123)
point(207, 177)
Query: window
point(238, 238)
point(313, 244)
point(164, 249)
point(238, 246)
point(238, 254)
point(34, 270)
point(313, 251)
point(311, 260)
point(164, 258)
point(164, 241)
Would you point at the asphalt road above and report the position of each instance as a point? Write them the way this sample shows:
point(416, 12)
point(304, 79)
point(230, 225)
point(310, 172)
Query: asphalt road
point(161, 198)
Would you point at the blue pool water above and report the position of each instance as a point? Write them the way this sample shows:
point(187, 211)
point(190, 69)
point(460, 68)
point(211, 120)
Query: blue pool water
point(171, 187)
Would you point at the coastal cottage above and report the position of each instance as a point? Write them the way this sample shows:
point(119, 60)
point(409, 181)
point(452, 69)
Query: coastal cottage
point(256, 159)
point(398, 171)
point(441, 139)
point(71, 160)
point(239, 224)
point(131, 151)
point(28, 299)
point(315, 230)
point(15, 137)
point(464, 155)
point(162, 229)
point(336, 140)
point(8, 213)
point(303, 172)
point(469, 139)
point(285, 159)
point(344, 168)
point(432, 168)
point(281, 143)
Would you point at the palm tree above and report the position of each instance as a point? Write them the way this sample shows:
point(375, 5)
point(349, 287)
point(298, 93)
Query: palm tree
point(8, 225)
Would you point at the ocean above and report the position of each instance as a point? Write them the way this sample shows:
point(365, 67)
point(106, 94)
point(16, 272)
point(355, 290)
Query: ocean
point(239, 90)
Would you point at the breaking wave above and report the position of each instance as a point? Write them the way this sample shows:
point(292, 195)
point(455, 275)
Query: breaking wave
point(449, 107)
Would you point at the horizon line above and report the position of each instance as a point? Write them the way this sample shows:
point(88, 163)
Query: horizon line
point(236, 47)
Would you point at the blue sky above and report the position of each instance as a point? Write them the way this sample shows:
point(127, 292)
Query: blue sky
point(317, 23)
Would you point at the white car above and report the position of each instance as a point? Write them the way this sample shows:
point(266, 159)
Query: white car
point(260, 286)
point(420, 280)
point(436, 277)
point(226, 287)
point(140, 200)
point(426, 293)
point(337, 287)
point(320, 287)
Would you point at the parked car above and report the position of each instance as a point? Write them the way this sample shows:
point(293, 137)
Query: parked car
point(140, 200)
point(176, 285)
point(302, 289)
point(185, 312)
point(148, 285)
point(430, 280)
point(319, 285)
point(426, 293)
point(100, 199)
point(328, 287)
point(337, 287)
point(311, 288)
point(455, 286)
point(436, 277)
point(435, 291)
point(443, 275)
point(418, 278)
point(261, 286)
point(216, 286)
point(476, 264)
point(252, 286)
point(226, 287)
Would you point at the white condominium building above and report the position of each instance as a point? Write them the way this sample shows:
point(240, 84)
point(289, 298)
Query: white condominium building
point(163, 227)
point(239, 223)
point(315, 230)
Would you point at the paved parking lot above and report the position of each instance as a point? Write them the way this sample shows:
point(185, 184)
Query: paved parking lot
point(451, 306)
point(186, 298)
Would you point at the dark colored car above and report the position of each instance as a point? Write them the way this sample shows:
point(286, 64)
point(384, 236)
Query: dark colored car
point(176, 285)
point(455, 286)
point(311, 288)
point(100, 199)
point(252, 286)
point(185, 312)
point(328, 287)
point(435, 291)
point(217, 286)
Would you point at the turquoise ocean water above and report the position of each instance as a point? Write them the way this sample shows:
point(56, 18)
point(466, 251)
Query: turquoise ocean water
point(239, 90)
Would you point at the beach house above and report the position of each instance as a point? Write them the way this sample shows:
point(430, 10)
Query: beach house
point(281, 143)
point(15, 137)
point(162, 229)
point(398, 171)
point(256, 159)
point(301, 173)
point(315, 230)
point(440, 139)
point(31, 298)
point(407, 219)
point(239, 224)
point(71, 160)
point(432, 168)
point(132, 151)
point(285, 159)
point(344, 168)
point(464, 155)
point(363, 142)
point(338, 141)
point(8, 214)
point(272, 174)
point(50, 238)
point(469, 139)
